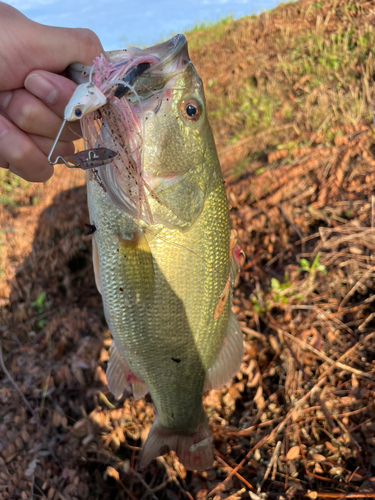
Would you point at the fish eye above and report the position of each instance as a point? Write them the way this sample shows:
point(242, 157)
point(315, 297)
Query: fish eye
point(78, 112)
point(191, 109)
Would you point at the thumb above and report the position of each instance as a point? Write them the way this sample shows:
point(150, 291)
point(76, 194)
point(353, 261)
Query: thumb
point(59, 47)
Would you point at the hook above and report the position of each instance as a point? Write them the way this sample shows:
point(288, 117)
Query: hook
point(59, 158)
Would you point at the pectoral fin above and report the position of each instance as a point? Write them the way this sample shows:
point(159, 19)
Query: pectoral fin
point(137, 263)
point(117, 372)
point(139, 388)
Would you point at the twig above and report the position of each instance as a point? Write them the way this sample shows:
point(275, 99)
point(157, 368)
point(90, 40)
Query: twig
point(161, 485)
point(252, 428)
point(147, 487)
point(302, 453)
point(250, 486)
point(177, 483)
point(355, 287)
point(45, 389)
point(253, 333)
point(40, 316)
point(122, 485)
point(305, 345)
point(112, 472)
point(345, 355)
point(108, 404)
point(273, 459)
point(342, 496)
point(345, 430)
point(291, 223)
point(325, 121)
point(236, 495)
point(18, 390)
point(172, 477)
point(362, 326)
point(355, 412)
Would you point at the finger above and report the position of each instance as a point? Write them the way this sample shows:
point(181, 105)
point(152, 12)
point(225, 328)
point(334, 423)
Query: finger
point(71, 44)
point(54, 90)
point(23, 155)
point(45, 144)
point(31, 115)
point(62, 148)
point(4, 164)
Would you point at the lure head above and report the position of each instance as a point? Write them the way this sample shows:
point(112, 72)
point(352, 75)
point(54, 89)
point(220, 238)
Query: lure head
point(85, 99)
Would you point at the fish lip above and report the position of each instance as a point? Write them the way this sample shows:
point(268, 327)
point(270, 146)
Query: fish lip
point(173, 51)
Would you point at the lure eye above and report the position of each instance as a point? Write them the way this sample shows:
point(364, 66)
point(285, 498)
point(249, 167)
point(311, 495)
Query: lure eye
point(78, 112)
point(191, 110)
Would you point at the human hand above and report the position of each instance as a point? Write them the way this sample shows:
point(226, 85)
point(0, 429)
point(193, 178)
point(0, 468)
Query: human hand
point(33, 95)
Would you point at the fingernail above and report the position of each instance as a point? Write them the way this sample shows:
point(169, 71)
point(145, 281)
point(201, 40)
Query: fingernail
point(42, 88)
point(5, 98)
point(3, 127)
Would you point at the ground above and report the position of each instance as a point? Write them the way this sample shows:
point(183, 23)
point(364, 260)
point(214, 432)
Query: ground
point(290, 95)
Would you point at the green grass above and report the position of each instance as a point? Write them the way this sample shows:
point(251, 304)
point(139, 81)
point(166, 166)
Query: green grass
point(11, 186)
point(207, 31)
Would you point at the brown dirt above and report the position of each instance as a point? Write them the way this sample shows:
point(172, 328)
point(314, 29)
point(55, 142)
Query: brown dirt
point(299, 418)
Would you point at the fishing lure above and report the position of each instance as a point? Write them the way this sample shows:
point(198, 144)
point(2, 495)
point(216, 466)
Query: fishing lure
point(85, 99)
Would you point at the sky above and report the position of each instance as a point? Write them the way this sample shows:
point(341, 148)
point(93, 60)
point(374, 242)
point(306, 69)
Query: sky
point(120, 23)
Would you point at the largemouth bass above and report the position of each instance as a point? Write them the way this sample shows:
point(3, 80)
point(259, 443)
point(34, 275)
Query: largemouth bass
point(162, 248)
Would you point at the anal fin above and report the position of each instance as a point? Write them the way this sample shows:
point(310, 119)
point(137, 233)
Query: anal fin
point(229, 358)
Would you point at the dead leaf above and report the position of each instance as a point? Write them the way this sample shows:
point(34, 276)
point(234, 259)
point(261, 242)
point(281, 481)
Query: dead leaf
point(293, 453)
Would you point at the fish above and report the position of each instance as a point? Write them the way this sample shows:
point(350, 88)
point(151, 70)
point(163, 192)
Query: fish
point(163, 249)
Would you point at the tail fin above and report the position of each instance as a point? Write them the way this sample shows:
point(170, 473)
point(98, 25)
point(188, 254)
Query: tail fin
point(194, 449)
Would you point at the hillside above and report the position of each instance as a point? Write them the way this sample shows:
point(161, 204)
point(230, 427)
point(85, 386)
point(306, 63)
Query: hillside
point(291, 99)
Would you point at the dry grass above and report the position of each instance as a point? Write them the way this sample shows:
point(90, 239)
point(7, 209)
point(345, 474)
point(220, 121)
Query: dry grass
point(290, 94)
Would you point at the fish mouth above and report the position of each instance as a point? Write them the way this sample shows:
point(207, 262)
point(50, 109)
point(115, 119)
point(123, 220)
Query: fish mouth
point(164, 58)
point(150, 68)
point(170, 56)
